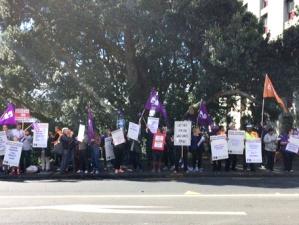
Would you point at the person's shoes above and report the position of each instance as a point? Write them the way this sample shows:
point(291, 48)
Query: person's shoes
point(79, 171)
point(291, 171)
point(196, 169)
point(121, 171)
point(97, 172)
point(86, 172)
point(172, 168)
point(200, 170)
point(116, 171)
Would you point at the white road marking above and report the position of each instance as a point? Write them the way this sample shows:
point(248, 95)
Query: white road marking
point(114, 209)
point(257, 195)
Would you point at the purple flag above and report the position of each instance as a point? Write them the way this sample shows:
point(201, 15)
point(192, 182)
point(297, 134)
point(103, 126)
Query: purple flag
point(8, 117)
point(153, 104)
point(204, 118)
point(90, 128)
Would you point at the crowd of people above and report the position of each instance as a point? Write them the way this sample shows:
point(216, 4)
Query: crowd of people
point(65, 154)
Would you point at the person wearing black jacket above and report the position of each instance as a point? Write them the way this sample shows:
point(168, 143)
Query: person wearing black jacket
point(65, 140)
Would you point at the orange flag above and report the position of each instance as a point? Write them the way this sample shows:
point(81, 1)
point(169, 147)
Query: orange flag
point(269, 92)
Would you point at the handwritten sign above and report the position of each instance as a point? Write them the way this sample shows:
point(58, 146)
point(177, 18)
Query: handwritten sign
point(182, 133)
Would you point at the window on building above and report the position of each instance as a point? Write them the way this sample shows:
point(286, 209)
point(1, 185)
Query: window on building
point(291, 11)
point(265, 22)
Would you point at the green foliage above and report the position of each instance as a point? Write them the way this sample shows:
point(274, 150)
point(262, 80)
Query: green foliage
point(57, 56)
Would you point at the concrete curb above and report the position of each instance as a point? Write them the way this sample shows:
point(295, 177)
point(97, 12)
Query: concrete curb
point(146, 175)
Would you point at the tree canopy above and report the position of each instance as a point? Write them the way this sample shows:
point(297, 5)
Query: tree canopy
point(56, 57)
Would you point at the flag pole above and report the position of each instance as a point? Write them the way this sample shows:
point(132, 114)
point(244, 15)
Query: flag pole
point(263, 108)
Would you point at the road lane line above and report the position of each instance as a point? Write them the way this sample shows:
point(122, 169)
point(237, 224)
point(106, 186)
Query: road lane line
point(261, 195)
point(124, 210)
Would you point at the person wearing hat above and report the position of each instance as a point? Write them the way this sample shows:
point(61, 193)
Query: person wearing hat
point(250, 134)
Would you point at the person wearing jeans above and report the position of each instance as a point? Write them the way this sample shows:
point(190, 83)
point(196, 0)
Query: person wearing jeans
point(26, 151)
point(197, 148)
point(95, 153)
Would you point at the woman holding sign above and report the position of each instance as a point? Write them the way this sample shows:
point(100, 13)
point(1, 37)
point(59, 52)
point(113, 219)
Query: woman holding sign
point(287, 155)
point(158, 146)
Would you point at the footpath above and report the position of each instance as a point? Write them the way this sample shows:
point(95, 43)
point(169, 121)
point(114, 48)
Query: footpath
point(166, 174)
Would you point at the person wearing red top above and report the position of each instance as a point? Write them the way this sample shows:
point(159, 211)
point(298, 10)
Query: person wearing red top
point(158, 147)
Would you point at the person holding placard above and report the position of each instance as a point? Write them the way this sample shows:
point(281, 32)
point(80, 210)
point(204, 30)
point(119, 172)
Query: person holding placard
point(250, 134)
point(287, 155)
point(26, 151)
point(83, 159)
point(158, 147)
point(270, 141)
point(220, 131)
point(119, 151)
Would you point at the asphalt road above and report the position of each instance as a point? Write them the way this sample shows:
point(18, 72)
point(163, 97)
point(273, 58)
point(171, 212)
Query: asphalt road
point(186, 201)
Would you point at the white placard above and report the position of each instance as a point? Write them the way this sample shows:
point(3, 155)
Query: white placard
point(236, 142)
point(81, 133)
point(109, 149)
point(182, 133)
point(40, 135)
point(153, 124)
point(158, 142)
point(118, 137)
point(133, 131)
point(219, 147)
point(3, 140)
point(254, 151)
point(12, 153)
point(293, 145)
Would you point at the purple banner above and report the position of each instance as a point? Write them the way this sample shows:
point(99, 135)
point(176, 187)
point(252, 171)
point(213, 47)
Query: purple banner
point(90, 128)
point(154, 105)
point(8, 117)
point(204, 118)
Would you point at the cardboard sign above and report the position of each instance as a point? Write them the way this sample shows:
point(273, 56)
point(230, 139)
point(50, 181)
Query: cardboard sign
point(158, 142)
point(22, 114)
point(236, 142)
point(118, 137)
point(109, 153)
point(40, 135)
point(153, 124)
point(81, 133)
point(293, 145)
point(219, 147)
point(12, 153)
point(254, 151)
point(133, 131)
point(3, 140)
point(182, 133)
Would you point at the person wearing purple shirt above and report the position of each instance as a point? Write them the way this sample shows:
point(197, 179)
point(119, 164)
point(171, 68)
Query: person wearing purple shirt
point(287, 156)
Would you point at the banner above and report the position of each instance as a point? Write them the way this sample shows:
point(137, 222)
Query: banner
point(153, 124)
point(109, 149)
point(3, 140)
point(81, 133)
point(182, 133)
point(12, 153)
point(133, 131)
point(236, 142)
point(254, 151)
point(219, 147)
point(8, 117)
point(158, 142)
point(154, 105)
point(203, 118)
point(22, 114)
point(40, 135)
point(293, 145)
point(118, 137)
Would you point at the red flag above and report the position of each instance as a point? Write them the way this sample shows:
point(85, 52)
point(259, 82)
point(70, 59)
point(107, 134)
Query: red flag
point(269, 92)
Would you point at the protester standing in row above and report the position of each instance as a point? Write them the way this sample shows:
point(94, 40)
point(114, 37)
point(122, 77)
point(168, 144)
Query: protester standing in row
point(119, 151)
point(25, 160)
point(83, 155)
point(287, 156)
point(95, 153)
point(250, 134)
point(197, 149)
point(270, 141)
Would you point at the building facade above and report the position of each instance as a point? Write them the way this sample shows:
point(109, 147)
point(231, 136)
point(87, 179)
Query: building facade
point(277, 15)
